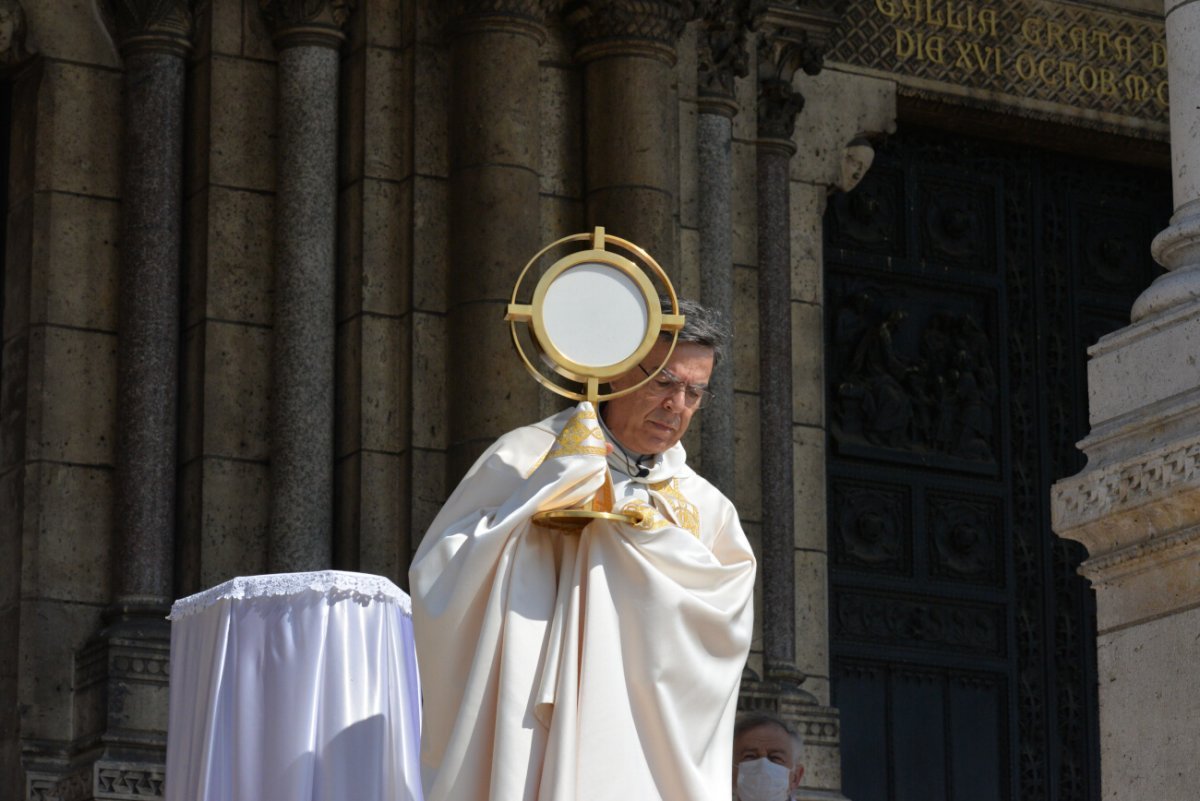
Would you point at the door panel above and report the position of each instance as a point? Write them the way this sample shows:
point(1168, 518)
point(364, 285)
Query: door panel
point(964, 282)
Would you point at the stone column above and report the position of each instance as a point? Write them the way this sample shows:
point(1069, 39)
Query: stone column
point(627, 48)
point(722, 57)
point(791, 41)
point(783, 50)
point(131, 653)
point(1137, 506)
point(494, 208)
point(307, 36)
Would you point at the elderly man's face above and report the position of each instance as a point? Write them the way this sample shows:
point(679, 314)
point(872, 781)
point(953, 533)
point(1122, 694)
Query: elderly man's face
point(772, 743)
point(647, 421)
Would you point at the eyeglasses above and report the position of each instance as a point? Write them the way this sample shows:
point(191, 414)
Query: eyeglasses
point(666, 384)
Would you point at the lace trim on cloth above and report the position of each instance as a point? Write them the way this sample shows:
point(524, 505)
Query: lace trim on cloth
point(338, 585)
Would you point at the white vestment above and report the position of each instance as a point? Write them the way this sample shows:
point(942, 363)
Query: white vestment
point(596, 665)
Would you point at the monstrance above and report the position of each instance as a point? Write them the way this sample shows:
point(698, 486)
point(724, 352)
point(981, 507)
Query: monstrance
point(593, 316)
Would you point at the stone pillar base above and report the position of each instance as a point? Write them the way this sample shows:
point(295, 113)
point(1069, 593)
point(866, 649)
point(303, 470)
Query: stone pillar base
point(121, 692)
point(127, 781)
point(57, 781)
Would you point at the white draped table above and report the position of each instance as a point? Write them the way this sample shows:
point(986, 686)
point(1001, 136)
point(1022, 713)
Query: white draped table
point(294, 687)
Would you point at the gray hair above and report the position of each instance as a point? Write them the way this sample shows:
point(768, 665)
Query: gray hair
point(701, 326)
point(752, 720)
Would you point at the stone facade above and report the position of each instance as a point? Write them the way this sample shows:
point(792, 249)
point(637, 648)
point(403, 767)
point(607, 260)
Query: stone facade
point(468, 134)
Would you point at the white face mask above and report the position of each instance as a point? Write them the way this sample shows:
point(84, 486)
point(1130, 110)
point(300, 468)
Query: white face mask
point(762, 780)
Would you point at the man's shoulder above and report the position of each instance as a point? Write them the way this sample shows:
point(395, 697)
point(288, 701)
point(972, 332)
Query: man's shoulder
point(700, 490)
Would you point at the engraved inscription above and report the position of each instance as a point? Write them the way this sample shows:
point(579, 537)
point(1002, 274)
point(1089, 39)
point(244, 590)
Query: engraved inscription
point(1026, 49)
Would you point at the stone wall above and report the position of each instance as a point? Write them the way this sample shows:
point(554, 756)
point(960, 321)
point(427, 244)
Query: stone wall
point(57, 413)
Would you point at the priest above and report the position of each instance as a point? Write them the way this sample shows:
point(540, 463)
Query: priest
point(599, 664)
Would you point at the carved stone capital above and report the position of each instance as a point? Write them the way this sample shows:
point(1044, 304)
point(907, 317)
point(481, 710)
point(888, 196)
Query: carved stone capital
point(790, 39)
point(306, 22)
point(778, 105)
point(628, 27)
point(153, 25)
point(516, 16)
point(721, 54)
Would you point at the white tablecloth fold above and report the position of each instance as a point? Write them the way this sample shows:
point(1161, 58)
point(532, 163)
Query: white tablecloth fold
point(294, 687)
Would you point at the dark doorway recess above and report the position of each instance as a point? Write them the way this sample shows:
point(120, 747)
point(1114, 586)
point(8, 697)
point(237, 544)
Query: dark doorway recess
point(965, 280)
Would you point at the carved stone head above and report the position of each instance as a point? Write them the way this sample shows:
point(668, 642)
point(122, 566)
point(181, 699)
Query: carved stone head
point(12, 32)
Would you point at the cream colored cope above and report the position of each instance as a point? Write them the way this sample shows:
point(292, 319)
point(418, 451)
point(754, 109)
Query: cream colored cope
point(592, 666)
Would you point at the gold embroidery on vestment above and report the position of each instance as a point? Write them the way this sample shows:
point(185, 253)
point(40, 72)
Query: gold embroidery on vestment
point(649, 518)
point(581, 435)
point(684, 511)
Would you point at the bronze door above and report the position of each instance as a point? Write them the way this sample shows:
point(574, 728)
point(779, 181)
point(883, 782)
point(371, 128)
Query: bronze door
point(964, 282)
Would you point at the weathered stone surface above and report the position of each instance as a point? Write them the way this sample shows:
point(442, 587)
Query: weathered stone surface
point(429, 490)
point(809, 469)
point(234, 503)
point(1126, 368)
point(745, 209)
point(386, 247)
point(695, 152)
point(242, 138)
point(747, 478)
point(509, 396)
point(1148, 708)
point(430, 382)
point(383, 540)
point(388, 114)
point(237, 386)
point(495, 120)
point(18, 271)
point(385, 383)
point(67, 548)
point(74, 280)
point(812, 612)
point(560, 111)
point(51, 633)
point(642, 215)
point(431, 144)
point(239, 248)
point(807, 202)
point(559, 217)
point(745, 317)
point(73, 381)
point(687, 276)
point(431, 243)
point(79, 108)
point(808, 364)
point(226, 27)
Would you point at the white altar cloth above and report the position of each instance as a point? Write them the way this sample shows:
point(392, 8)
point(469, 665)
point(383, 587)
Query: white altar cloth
point(294, 687)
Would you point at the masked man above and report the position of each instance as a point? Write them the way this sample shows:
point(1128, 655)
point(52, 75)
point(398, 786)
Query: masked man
point(602, 664)
point(767, 759)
